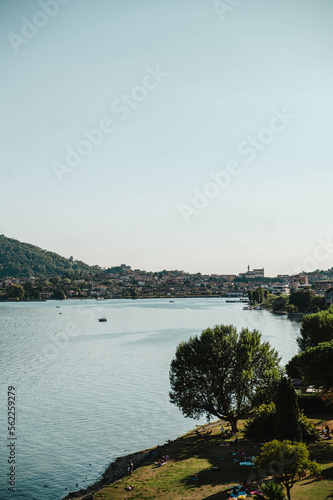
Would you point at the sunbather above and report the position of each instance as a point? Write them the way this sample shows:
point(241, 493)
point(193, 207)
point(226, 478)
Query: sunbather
point(162, 462)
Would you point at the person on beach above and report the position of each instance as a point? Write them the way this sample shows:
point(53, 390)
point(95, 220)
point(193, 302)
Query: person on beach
point(130, 468)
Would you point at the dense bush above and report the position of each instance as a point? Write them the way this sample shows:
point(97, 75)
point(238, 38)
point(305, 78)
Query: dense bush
point(309, 432)
point(261, 425)
point(314, 403)
point(270, 491)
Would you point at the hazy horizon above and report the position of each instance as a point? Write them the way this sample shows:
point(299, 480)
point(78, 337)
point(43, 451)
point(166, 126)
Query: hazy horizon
point(191, 135)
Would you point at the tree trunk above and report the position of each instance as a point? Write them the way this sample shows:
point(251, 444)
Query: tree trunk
point(288, 492)
point(233, 422)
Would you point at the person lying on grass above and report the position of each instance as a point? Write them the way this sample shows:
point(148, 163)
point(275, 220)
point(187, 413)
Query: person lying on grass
point(162, 462)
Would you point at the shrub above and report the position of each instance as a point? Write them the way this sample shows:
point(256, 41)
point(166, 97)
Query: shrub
point(270, 491)
point(260, 426)
point(314, 403)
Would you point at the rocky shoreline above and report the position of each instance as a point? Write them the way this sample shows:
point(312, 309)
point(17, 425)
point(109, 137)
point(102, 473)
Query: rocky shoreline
point(116, 470)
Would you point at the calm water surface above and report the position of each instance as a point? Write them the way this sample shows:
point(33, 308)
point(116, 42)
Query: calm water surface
point(88, 392)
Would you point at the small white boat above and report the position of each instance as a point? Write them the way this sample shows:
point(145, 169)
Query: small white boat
point(102, 319)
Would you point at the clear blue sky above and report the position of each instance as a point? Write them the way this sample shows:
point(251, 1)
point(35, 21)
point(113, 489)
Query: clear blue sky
point(183, 90)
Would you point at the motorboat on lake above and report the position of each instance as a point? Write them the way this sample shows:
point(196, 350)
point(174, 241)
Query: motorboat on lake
point(102, 319)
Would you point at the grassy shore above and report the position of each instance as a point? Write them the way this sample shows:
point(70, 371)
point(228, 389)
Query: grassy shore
point(213, 462)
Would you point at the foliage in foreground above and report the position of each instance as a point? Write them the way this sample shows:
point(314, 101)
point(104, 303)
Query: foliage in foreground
point(220, 373)
point(286, 462)
point(270, 491)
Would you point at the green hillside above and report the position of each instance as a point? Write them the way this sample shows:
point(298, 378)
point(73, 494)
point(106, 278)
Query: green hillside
point(22, 259)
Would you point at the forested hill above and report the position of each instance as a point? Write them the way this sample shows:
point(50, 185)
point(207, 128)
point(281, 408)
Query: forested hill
point(22, 259)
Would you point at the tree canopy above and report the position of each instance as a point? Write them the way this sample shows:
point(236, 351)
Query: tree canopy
point(292, 367)
point(58, 295)
point(287, 424)
point(316, 365)
point(285, 461)
point(280, 303)
point(302, 299)
point(316, 328)
point(258, 295)
point(219, 373)
point(15, 291)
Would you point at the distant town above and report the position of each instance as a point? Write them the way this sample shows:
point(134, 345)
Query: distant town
point(123, 282)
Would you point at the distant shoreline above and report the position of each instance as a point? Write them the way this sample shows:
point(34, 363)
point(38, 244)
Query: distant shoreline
point(123, 298)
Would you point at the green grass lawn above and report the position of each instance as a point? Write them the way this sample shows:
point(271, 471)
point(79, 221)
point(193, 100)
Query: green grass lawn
point(192, 454)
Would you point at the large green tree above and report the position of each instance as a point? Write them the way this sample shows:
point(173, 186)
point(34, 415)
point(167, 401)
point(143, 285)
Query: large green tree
point(287, 424)
point(292, 367)
point(58, 295)
point(316, 328)
point(280, 303)
point(316, 365)
point(285, 461)
point(15, 291)
point(219, 373)
point(302, 299)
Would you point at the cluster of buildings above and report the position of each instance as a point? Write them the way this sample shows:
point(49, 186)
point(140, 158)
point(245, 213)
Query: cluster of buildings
point(123, 282)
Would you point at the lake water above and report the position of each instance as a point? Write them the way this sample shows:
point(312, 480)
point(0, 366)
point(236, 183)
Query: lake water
point(87, 392)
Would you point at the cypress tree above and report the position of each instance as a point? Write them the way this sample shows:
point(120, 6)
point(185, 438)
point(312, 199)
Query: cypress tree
point(287, 425)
